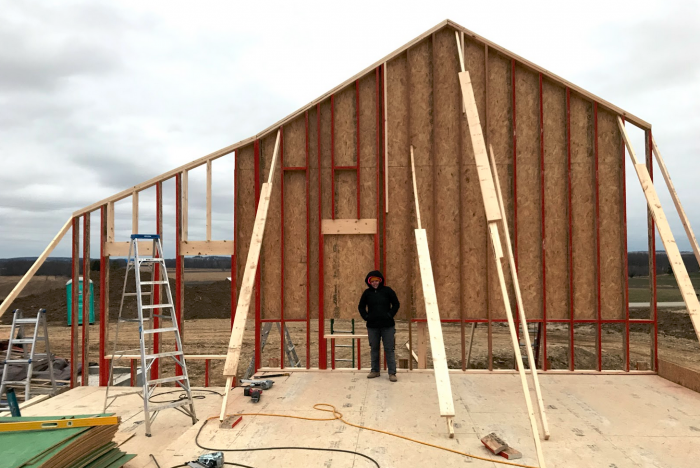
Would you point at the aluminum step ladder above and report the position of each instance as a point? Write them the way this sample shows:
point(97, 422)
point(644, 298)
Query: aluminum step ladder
point(168, 326)
point(290, 349)
point(29, 355)
point(334, 331)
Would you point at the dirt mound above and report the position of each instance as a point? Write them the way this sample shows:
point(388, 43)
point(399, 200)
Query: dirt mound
point(676, 323)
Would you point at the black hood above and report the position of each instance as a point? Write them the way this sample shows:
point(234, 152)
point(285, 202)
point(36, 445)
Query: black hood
point(374, 273)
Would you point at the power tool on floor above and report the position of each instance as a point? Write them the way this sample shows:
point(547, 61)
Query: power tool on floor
point(263, 384)
point(208, 460)
point(253, 393)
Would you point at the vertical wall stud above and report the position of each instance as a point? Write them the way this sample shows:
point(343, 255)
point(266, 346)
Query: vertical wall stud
point(652, 260)
point(234, 264)
point(571, 230)
point(625, 282)
point(85, 354)
point(599, 344)
point(322, 352)
point(156, 287)
point(543, 230)
point(308, 243)
point(209, 200)
point(258, 277)
point(179, 260)
point(281, 246)
point(104, 298)
point(75, 277)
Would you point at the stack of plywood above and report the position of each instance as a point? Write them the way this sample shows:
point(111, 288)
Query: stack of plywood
point(75, 447)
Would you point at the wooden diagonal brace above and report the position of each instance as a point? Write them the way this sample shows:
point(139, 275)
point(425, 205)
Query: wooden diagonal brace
point(674, 255)
point(493, 217)
point(247, 284)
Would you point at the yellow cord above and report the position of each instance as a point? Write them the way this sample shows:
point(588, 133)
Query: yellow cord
point(339, 416)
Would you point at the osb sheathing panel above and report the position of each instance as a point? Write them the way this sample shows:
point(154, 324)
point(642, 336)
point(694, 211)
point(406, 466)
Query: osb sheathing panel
point(447, 116)
point(610, 159)
point(424, 109)
point(500, 135)
point(420, 95)
point(347, 259)
point(295, 228)
point(421, 131)
point(270, 260)
point(400, 240)
point(474, 232)
point(583, 217)
point(345, 194)
point(529, 203)
point(245, 207)
point(368, 147)
point(345, 127)
point(556, 206)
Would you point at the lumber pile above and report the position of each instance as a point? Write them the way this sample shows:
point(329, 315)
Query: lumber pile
point(72, 447)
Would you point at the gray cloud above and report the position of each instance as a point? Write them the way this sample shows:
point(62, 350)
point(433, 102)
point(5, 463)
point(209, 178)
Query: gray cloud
point(96, 97)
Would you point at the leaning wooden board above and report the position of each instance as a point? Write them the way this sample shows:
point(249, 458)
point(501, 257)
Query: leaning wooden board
point(674, 255)
point(437, 345)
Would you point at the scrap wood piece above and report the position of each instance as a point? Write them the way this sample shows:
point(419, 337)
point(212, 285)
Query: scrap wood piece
point(247, 284)
point(494, 443)
point(511, 454)
point(674, 255)
point(498, 446)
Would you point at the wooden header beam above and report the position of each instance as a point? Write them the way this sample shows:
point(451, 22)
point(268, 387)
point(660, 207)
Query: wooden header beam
point(348, 226)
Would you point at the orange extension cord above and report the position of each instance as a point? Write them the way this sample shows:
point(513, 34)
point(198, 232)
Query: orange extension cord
point(339, 417)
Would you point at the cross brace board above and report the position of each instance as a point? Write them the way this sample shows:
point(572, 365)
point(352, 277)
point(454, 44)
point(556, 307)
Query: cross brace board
point(674, 255)
point(246, 294)
point(493, 217)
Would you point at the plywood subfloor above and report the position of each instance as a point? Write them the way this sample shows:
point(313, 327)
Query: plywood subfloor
point(595, 420)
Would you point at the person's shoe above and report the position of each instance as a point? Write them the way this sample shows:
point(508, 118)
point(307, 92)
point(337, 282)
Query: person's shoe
point(392, 378)
point(372, 375)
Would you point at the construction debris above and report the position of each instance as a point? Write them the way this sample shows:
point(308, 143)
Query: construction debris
point(498, 446)
point(494, 443)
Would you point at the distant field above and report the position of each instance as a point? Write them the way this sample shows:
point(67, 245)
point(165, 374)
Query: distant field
point(201, 275)
point(42, 284)
point(666, 288)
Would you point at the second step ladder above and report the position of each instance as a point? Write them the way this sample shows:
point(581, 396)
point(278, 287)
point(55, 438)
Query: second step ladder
point(166, 326)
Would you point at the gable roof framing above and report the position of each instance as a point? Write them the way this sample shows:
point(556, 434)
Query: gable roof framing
point(446, 23)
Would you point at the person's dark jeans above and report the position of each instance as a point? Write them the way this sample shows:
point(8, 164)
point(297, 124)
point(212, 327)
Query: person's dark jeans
point(387, 336)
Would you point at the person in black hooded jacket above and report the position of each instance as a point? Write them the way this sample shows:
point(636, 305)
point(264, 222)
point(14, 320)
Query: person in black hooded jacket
point(378, 307)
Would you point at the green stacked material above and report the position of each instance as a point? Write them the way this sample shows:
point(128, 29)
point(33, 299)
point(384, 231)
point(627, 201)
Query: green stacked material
point(79, 447)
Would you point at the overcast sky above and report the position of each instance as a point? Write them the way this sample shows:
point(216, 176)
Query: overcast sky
point(99, 96)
